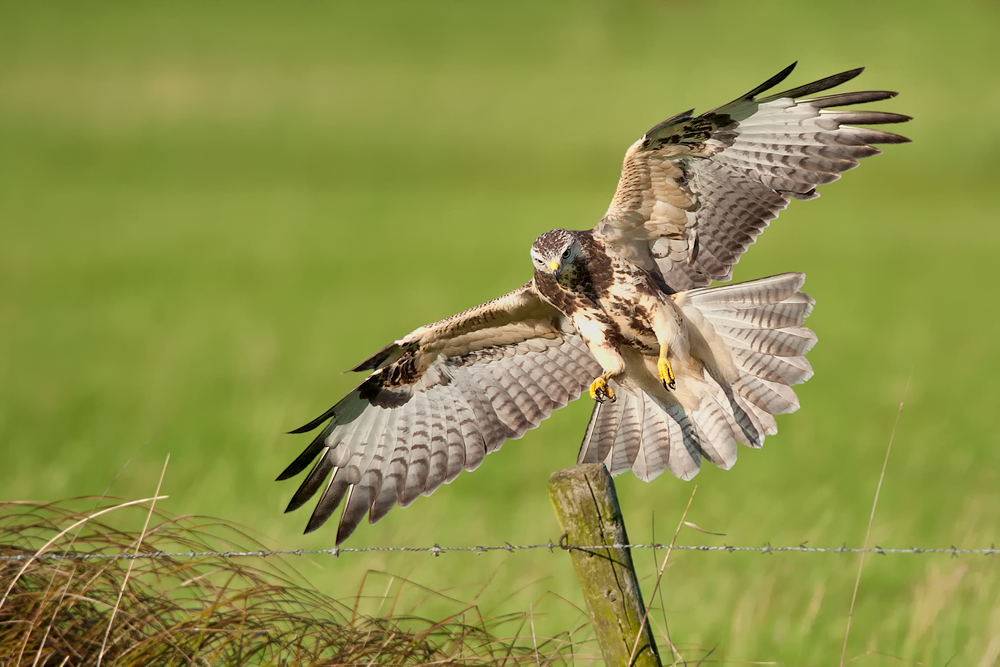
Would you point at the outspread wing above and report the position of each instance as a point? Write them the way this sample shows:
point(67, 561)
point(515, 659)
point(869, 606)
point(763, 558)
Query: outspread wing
point(439, 400)
point(695, 191)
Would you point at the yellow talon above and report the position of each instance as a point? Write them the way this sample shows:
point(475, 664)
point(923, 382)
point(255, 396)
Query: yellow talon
point(600, 391)
point(666, 373)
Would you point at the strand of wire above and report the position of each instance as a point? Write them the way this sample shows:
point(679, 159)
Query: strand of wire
point(437, 550)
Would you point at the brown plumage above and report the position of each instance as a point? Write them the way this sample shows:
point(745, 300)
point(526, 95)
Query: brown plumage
point(678, 374)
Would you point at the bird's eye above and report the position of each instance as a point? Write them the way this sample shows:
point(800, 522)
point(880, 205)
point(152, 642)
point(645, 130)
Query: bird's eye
point(566, 254)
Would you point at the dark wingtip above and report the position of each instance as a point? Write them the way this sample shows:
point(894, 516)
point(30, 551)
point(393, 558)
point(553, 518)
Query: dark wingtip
point(305, 428)
point(845, 76)
point(890, 138)
point(304, 459)
point(868, 117)
point(771, 83)
point(848, 99)
point(291, 471)
point(818, 86)
point(344, 530)
point(301, 497)
point(298, 500)
point(315, 521)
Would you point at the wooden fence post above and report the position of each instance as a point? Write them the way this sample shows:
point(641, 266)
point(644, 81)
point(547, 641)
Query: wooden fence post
point(587, 506)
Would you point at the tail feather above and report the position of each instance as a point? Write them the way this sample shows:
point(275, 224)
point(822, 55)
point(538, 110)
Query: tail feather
point(772, 397)
point(720, 433)
point(784, 370)
point(686, 451)
point(776, 316)
point(649, 461)
point(762, 420)
point(628, 439)
point(749, 430)
point(759, 326)
point(775, 342)
point(638, 432)
point(600, 435)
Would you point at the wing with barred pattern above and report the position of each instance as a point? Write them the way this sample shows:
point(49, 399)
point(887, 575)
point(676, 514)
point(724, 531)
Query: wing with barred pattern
point(695, 191)
point(439, 400)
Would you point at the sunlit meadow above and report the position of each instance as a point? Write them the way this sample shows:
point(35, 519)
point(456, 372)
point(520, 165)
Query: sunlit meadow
point(210, 210)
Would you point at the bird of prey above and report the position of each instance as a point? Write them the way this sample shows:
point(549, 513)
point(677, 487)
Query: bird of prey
point(679, 371)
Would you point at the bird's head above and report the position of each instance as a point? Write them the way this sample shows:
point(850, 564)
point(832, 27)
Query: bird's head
point(557, 253)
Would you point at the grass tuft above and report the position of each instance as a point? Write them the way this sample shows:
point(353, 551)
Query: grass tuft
point(213, 610)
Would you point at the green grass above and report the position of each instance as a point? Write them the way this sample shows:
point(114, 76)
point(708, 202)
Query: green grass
point(207, 212)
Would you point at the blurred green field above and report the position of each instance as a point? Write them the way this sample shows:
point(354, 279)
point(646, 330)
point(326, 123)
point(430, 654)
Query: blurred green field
point(209, 210)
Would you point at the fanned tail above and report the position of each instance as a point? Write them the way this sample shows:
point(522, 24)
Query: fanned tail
point(754, 333)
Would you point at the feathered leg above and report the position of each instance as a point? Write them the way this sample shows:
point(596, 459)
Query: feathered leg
point(601, 341)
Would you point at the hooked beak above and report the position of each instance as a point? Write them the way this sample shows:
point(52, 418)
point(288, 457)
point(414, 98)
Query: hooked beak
point(554, 267)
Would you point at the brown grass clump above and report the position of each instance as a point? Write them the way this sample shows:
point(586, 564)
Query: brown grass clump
point(208, 610)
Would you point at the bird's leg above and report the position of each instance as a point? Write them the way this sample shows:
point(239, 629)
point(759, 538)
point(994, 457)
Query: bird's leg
point(665, 371)
point(665, 321)
point(600, 391)
point(602, 341)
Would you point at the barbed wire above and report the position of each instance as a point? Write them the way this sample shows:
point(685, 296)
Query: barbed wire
point(438, 550)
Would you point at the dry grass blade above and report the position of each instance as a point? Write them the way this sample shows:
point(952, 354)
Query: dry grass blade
point(212, 610)
point(871, 519)
point(659, 577)
point(131, 564)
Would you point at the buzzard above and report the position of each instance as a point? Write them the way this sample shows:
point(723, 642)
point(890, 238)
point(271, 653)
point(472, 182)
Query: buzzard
point(679, 371)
